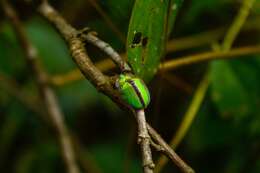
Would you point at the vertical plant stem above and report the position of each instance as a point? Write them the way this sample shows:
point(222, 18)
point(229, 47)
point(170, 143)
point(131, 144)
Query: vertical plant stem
point(237, 24)
point(193, 109)
point(48, 97)
point(187, 120)
point(200, 93)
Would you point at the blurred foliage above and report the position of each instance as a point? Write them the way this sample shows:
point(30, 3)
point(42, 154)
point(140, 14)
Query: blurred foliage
point(225, 136)
point(114, 153)
point(233, 93)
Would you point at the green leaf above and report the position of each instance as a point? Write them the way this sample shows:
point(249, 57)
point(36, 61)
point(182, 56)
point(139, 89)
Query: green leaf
point(235, 91)
point(146, 36)
point(227, 91)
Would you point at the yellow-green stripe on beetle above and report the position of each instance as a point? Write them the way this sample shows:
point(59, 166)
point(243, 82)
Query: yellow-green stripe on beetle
point(133, 90)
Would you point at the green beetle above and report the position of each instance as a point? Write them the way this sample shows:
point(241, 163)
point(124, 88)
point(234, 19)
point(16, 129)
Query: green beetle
point(133, 91)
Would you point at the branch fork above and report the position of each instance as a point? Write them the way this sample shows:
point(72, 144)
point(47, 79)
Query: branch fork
point(106, 84)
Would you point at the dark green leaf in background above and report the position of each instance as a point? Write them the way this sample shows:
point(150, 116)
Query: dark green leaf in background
point(236, 91)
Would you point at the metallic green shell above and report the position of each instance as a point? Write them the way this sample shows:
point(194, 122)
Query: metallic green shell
point(134, 91)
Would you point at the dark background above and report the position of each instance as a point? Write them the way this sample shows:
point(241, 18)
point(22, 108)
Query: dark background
point(224, 137)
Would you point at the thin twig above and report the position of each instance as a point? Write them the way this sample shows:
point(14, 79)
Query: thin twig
point(201, 91)
point(144, 140)
point(209, 56)
point(32, 104)
point(187, 120)
point(206, 37)
point(169, 152)
point(105, 47)
point(79, 54)
point(176, 44)
point(173, 45)
point(47, 93)
point(191, 112)
point(173, 64)
point(237, 24)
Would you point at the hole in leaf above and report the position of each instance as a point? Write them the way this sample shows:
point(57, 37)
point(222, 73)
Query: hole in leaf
point(137, 38)
point(144, 41)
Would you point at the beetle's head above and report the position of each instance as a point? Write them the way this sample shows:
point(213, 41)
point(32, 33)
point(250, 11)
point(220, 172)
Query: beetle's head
point(122, 79)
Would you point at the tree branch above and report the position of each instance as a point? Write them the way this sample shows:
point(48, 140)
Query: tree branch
point(169, 152)
point(237, 24)
point(208, 56)
point(176, 44)
point(105, 47)
point(32, 104)
point(79, 54)
point(202, 88)
point(187, 120)
point(102, 83)
point(144, 140)
point(105, 65)
point(48, 96)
